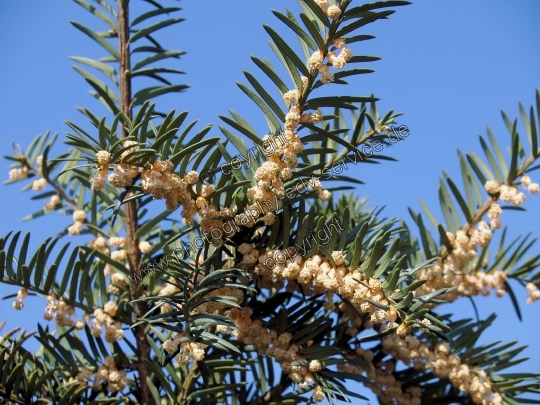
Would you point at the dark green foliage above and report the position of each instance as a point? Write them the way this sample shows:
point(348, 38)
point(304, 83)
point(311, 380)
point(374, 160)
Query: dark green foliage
point(233, 371)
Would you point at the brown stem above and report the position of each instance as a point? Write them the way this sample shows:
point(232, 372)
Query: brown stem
point(273, 394)
point(130, 210)
point(189, 381)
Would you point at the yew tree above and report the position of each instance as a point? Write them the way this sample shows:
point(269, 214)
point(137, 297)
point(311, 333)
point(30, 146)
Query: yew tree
point(260, 278)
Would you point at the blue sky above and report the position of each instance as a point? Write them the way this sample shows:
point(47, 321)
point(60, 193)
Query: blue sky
point(450, 67)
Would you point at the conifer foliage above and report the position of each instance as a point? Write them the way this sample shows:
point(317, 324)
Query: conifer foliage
point(257, 282)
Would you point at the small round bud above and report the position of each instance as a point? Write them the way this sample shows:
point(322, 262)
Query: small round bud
point(403, 330)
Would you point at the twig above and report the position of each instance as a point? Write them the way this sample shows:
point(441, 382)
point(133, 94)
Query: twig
point(130, 209)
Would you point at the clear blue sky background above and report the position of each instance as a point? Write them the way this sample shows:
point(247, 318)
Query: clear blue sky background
point(449, 66)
